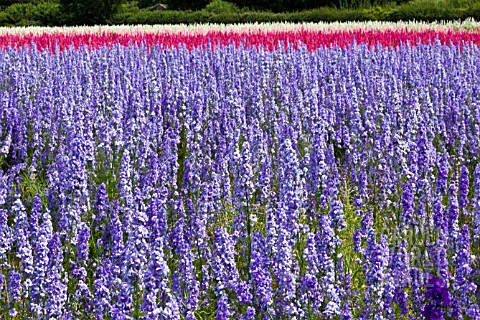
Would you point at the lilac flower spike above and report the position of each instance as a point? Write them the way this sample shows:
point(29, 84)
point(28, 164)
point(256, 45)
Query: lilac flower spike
point(437, 297)
point(463, 189)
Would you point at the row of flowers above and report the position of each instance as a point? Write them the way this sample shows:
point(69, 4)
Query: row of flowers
point(469, 24)
point(269, 36)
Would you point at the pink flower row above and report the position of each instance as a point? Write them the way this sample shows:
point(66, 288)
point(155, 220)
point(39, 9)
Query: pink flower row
point(313, 39)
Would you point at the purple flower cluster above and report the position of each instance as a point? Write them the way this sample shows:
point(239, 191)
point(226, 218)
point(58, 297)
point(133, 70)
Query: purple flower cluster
point(437, 297)
point(240, 183)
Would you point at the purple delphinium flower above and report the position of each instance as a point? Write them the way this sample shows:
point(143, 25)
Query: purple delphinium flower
point(157, 296)
point(367, 222)
point(345, 290)
point(439, 219)
point(102, 207)
point(264, 176)
point(476, 216)
point(261, 278)
point(125, 188)
point(198, 229)
point(2, 283)
point(156, 285)
point(271, 228)
point(244, 186)
point(121, 309)
point(79, 269)
point(313, 295)
point(224, 266)
point(101, 291)
point(171, 307)
point(463, 187)
point(223, 307)
point(14, 285)
point(6, 237)
point(326, 244)
point(76, 182)
point(463, 285)
point(437, 298)
point(453, 213)
point(82, 244)
point(22, 239)
point(39, 285)
point(56, 288)
point(249, 314)
point(134, 258)
point(35, 216)
point(336, 213)
point(416, 296)
point(185, 285)
point(291, 188)
point(116, 234)
point(375, 264)
point(357, 241)
point(424, 147)
point(407, 204)
point(363, 184)
point(284, 272)
point(473, 311)
point(440, 259)
point(389, 296)
point(401, 276)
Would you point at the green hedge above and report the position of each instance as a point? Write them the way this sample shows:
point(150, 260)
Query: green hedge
point(25, 14)
point(49, 14)
point(399, 13)
point(175, 17)
point(427, 13)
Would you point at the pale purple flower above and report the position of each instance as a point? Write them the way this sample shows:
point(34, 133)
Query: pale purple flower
point(407, 203)
point(56, 288)
point(261, 277)
point(463, 285)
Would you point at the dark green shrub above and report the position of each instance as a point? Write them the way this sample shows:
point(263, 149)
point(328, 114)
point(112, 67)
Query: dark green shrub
point(88, 12)
point(376, 13)
point(221, 7)
point(4, 20)
point(218, 12)
point(28, 23)
point(46, 13)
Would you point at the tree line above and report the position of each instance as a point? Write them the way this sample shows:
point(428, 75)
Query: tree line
point(265, 5)
point(95, 12)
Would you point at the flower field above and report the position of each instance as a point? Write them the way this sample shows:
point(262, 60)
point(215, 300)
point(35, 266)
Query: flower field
point(248, 172)
point(267, 36)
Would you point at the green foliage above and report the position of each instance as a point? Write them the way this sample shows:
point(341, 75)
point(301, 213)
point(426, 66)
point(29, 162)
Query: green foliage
point(474, 11)
point(376, 13)
point(427, 10)
point(219, 14)
point(204, 16)
point(128, 7)
point(221, 7)
point(187, 4)
point(28, 14)
point(88, 12)
point(284, 5)
point(4, 19)
point(6, 3)
point(159, 17)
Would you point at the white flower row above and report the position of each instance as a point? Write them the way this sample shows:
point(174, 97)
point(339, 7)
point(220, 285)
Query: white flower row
point(469, 24)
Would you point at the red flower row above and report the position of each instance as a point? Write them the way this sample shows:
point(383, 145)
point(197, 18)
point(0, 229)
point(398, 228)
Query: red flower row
point(266, 39)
